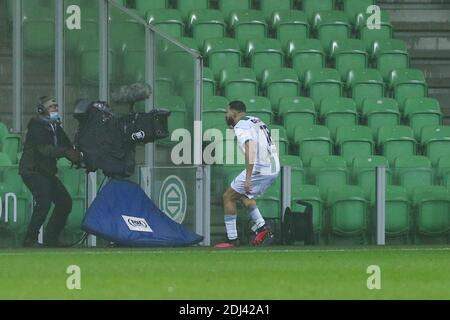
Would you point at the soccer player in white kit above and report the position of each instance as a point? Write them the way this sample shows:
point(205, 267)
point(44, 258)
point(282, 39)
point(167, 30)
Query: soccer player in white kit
point(262, 167)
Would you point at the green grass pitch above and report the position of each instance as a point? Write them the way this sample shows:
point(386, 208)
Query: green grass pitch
point(245, 273)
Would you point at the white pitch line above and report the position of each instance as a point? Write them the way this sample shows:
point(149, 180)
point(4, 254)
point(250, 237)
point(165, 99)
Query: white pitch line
point(130, 252)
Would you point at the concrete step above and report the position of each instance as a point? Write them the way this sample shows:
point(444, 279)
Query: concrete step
point(436, 71)
point(443, 96)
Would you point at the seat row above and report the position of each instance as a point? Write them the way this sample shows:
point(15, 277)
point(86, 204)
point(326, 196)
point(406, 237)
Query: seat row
point(318, 84)
point(333, 112)
point(344, 210)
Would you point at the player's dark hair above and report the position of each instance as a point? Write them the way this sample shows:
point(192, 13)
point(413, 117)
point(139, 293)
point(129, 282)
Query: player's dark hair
point(238, 106)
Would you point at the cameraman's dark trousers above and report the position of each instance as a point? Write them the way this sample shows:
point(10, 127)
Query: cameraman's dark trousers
point(47, 190)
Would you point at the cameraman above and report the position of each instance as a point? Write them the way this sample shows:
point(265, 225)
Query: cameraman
point(46, 142)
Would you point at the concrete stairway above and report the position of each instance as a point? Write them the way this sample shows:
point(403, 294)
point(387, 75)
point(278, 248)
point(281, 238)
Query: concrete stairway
point(425, 26)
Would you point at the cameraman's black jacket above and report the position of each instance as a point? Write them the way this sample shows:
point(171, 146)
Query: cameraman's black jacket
point(45, 142)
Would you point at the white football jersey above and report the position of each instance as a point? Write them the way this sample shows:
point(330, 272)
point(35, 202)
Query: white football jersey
point(266, 158)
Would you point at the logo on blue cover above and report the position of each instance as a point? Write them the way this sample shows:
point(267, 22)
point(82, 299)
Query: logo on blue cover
point(172, 199)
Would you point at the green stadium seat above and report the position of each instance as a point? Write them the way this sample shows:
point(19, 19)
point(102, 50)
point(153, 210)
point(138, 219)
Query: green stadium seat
point(84, 39)
point(270, 204)
point(5, 160)
point(390, 55)
point(395, 141)
point(72, 178)
point(331, 26)
point(380, 112)
point(354, 7)
point(11, 145)
point(365, 84)
point(365, 173)
point(264, 54)
point(421, 112)
point(38, 35)
point(278, 83)
point(215, 103)
point(312, 141)
point(329, 171)
point(164, 82)
point(3, 130)
point(444, 170)
point(370, 35)
point(354, 141)
point(190, 43)
point(337, 112)
point(305, 55)
point(186, 6)
point(90, 58)
point(323, 83)
point(142, 6)
point(297, 171)
point(289, 25)
point(432, 205)
point(205, 24)
point(222, 53)
point(228, 6)
point(133, 67)
point(238, 83)
point(269, 6)
point(126, 34)
point(168, 21)
point(296, 112)
point(12, 183)
point(209, 83)
point(348, 211)
point(348, 54)
point(310, 194)
point(310, 7)
point(259, 107)
point(397, 211)
point(247, 25)
point(177, 107)
point(435, 142)
point(278, 133)
point(413, 171)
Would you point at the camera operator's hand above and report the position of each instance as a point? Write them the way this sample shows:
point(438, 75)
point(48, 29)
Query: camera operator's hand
point(74, 156)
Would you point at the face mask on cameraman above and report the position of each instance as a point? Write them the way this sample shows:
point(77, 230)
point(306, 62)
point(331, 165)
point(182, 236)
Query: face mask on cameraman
point(48, 108)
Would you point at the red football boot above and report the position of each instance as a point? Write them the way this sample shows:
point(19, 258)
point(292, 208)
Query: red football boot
point(261, 236)
point(229, 244)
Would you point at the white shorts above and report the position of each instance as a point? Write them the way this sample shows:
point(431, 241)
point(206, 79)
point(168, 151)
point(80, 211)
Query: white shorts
point(260, 183)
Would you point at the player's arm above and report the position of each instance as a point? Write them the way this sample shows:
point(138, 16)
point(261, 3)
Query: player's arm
point(250, 155)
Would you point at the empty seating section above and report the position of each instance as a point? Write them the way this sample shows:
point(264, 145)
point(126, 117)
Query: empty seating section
point(364, 84)
point(339, 95)
point(390, 55)
point(263, 54)
point(368, 34)
point(305, 55)
point(330, 26)
point(205, 24)
point(322, 83)
point(380, 112)
point(278, 83)
point(348, 54)
point(395, 141)
point(238, 83)
point(248, 25)
point(222, 53)
point(289, 25)
point(338, 112)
